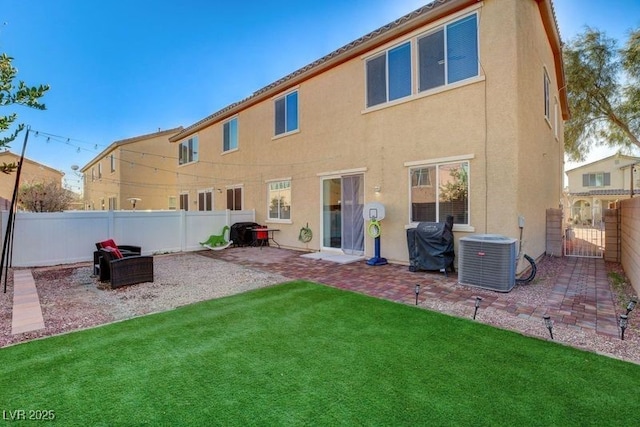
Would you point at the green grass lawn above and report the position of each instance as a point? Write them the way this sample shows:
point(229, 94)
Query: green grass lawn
point(306, 354)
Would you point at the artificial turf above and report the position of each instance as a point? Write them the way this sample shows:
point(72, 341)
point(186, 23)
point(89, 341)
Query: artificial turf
point(307, 354)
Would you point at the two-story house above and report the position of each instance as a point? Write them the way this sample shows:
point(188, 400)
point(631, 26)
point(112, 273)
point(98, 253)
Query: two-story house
point(598, 185)
point(32, 173)
point(138, 172)
point(454, 109)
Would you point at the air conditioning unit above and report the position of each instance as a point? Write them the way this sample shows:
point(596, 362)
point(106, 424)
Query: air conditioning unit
point(487, 261)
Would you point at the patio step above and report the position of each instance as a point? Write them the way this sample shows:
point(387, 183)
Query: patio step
point(27, 313)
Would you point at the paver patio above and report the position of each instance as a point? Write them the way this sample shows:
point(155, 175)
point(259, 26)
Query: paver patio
point(581, 297)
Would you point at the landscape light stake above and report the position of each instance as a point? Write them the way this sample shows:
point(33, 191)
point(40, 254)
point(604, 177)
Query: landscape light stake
point(549, 324)
point(417, 293)
point(632, 304)
point(623, 325)
point(478, 299)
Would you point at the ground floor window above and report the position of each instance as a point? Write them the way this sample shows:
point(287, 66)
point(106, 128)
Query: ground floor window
point(172, 203)
point(279, 200)
point(205, 200)
point(184, 201)
point(440, 190)
point(234, 199)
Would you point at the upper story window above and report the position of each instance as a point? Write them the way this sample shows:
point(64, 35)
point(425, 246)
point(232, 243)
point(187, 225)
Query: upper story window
point(389, 75)
point(188, 151)
point(547, 102)
point(439, 190)
point(230, 135)
point(99, 170)
point(556, 118)
point(93, 174)
point(287, 113)
point(449, 54)
point(280, 200)
point(112, 162)
point(599, 179)
point(445, 55)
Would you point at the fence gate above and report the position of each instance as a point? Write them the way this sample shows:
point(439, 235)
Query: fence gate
point(584, 241)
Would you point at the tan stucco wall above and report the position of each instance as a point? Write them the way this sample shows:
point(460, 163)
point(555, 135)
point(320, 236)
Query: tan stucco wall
point(498, 116)
point(630, 240)
point(32, 172)
point(145, 168)
point(539, 151)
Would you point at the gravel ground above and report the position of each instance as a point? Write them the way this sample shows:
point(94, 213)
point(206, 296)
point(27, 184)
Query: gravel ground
point(536, 295)
point(72, 299)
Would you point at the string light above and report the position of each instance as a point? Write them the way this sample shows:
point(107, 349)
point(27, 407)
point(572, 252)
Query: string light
point(199, 165)
point(75, 143)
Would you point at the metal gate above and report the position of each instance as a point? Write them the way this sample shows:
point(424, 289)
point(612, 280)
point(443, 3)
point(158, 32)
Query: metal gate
point(584, 241)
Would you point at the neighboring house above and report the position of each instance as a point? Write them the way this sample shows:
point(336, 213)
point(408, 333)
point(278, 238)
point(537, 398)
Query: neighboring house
point(140, 169)
point(598, 185)
point(454, 109)
point(32, 173)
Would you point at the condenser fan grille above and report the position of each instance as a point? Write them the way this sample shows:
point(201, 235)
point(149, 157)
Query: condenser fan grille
point(487, 261)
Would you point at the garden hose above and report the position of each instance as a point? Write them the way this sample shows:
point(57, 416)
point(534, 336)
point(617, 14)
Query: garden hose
point(306, 234)
point(532, 273)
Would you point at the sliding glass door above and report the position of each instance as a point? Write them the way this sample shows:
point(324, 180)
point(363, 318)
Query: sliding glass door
point(342, 221)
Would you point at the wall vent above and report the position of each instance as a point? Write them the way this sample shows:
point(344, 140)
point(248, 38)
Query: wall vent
point(487, 261)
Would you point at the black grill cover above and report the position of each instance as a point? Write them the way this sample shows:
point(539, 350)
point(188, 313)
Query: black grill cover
point(430, 246)
point(241, 234)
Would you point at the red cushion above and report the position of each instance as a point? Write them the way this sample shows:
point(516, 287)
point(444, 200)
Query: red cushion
point(114, 250)
point(108, 244)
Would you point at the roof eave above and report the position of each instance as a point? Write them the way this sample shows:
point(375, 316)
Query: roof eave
point(126, 141)
point(403, 25)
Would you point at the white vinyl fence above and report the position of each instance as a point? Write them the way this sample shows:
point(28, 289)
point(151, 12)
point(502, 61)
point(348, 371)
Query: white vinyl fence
point(42, 239)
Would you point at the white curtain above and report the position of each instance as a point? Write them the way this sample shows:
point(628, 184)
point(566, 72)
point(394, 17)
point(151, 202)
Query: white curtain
point(352, 220)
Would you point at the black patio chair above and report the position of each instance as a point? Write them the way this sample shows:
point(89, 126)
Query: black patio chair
point(126, 270)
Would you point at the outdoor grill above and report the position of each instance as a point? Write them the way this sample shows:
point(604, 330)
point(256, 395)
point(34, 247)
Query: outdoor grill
point(430, 246)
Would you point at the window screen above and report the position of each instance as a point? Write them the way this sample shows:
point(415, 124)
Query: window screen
point(462, 49)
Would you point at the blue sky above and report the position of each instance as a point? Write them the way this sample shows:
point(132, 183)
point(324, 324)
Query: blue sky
point(123, 68)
